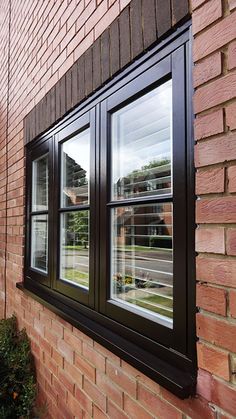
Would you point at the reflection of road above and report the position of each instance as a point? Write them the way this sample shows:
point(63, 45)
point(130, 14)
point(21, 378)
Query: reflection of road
point(155, 266)
point(76, 259)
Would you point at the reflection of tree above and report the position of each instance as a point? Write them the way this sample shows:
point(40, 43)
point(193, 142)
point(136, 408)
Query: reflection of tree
point(78, 224)
point(76, 181)
point(144, 169)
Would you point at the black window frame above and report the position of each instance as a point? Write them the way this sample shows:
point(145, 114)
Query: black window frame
point(166, 355)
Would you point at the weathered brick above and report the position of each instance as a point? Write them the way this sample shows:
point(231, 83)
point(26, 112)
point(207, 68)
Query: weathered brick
point(230, 111)
point(207, 69)
point(207, 14)
point(232, 179)
point(231, 241)
point(216, 331)
point(232, 303)
point(215, 93)
point(224, 396)
point(211, 299)
point(134, 410)
point(232, 55)
point(220, 271)
point(210, 181)
point(215, 37)
point(215, 151)
point(214, 361)
point(216, 210)
point(210, 240)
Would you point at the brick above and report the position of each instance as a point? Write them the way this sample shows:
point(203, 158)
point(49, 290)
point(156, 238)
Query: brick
point(210, 240)
point(98, 413)
point(115, 412)
point(109, 388)
point(224, 396)
point(105, 56)
point(74, 406)
point(76, 377)
point(96, 64)
point(136, 28)
point(232, 179)
point(121, 379)
point(85, 367)
point(215, 93)
point(220, 271)
point(134, 410)
point(232, 55)
point(217, 332)
point(210, 181)
point(156, 405)
point(207, 14)
point(66, 381)
point(211, 299)
point(65, 350)
point(232, 4)
point(163, 16)
point(215, 151)
point(94, 357)
point(214, 361)
point(230, 111)
point(217, 210)
point(231, 242)
point(114, 47)
point(149, 22)
point(215, 37)
point(210, 124)
point(232, 303)
point(95, 394)
point(194, 408)
point(179, 10)
point(107, 19)
point(88, 71)
point(207, 69)
point(197, 3)
point(84, 401)
point(124, 27)
point(204, 384)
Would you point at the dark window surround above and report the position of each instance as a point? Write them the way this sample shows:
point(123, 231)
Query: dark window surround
point(173, 368)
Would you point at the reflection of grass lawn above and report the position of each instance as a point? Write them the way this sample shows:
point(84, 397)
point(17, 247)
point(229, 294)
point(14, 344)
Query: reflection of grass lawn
point(155, 299)
point(81, 278)
point(76, 247)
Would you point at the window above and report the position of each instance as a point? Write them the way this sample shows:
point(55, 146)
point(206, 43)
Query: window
point(109, 241)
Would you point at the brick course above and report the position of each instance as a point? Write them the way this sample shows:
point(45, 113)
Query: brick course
point(50, 45)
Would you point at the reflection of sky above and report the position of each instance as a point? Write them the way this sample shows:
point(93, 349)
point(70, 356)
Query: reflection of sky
point(142, 131)
point(78, 149)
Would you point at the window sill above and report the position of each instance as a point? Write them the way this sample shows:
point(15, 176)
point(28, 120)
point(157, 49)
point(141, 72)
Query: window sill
point(180, 382)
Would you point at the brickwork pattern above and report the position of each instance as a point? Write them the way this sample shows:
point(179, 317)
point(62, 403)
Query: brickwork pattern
point(214, 28)
point(77, 377)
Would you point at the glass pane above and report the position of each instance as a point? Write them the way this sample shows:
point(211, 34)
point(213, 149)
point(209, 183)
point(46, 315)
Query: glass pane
point(141, 145)
point(142, 258)
point(75, 170)
point(74, 260)
point(39, 242)
point(40, 184)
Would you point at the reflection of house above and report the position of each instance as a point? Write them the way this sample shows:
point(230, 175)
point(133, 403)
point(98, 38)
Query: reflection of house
point(76, 182)
point(149, 180)
point(145, 225)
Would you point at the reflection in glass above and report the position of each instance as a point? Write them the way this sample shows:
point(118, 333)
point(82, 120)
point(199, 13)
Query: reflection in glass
point(75, 170)
point(142, 258)
point(74, 252)
point(141, 145)
point(40, 184)
point(39, 242)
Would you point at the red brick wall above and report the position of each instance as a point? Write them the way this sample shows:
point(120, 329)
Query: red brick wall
point(76, 376)
point(214, 54)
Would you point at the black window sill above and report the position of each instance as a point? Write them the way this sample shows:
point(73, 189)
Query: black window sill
point(179, 381)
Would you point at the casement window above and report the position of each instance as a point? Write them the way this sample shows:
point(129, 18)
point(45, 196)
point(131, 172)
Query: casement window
point(109, 242)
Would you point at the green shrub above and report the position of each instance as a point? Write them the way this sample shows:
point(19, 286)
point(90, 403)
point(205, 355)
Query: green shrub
point(17, 373)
